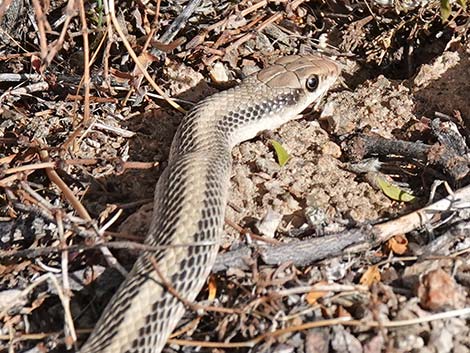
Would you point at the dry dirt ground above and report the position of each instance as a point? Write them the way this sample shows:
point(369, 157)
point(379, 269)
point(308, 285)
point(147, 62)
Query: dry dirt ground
point(407, 293)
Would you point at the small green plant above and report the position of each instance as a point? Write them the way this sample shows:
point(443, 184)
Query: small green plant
point(281, 153)
point(446, 8)
point(393, 191)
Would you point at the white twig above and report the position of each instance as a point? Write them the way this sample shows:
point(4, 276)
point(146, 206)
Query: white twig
point(459, 200)
point(69, 326)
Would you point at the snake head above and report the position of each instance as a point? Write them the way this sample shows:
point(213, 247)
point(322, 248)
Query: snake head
point(310, 76)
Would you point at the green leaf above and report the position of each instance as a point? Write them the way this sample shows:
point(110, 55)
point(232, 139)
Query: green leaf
point(281, 153)
point(393, 191)
point(445, 10)
point(462, 3)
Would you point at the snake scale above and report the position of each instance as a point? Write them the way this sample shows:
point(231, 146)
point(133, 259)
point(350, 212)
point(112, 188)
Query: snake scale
point(190, 200)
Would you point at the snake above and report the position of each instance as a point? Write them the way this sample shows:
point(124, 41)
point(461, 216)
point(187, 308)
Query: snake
point(191, 196)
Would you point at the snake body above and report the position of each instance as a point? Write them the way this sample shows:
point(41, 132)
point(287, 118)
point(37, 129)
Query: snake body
point(190, 201)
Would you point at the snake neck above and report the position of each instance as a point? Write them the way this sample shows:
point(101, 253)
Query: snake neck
point(215, 126)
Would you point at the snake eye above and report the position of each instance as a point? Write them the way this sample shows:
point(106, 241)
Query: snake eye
point(312, 83)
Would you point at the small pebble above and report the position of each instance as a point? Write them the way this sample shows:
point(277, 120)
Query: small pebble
point(332, 149)
point(267, 166)
point(267, 226)
point(218, 73)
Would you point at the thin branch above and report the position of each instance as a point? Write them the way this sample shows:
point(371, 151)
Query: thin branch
point(69, 328)
point(424, 216)
point(345, 321)
point(130, 245)
point(136, 59)
point(41, 18)
point(86, 64)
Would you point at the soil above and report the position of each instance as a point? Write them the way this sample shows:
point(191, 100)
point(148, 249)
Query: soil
point(382, 298)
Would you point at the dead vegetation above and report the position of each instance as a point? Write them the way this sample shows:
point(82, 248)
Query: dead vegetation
point(360, 243)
